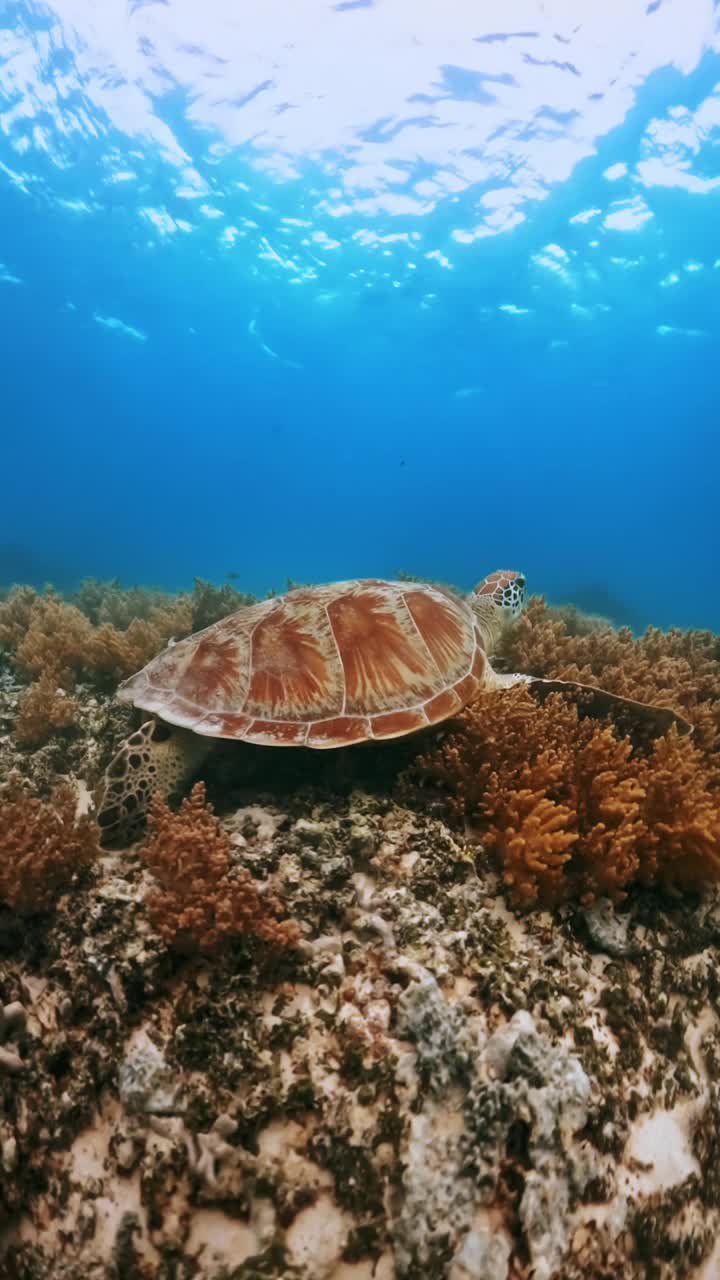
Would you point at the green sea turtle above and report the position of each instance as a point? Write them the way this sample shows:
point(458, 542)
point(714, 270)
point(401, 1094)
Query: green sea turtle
point(321, 667)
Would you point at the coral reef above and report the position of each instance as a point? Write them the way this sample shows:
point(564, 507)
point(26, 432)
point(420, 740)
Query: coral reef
point(203, 899)
point(104, 632)
point(43, 709)
point(433, 1088)
point(111, 602)
point(400, 1073)
point(111, 655)
point(211, 603)
point(48, 637)
point(45, 635)
point(516, 1071)
point(43, 843)
point(676, 668)
point(569, 808)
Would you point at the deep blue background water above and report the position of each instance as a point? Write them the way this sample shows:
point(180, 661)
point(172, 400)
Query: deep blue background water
point(361, 290)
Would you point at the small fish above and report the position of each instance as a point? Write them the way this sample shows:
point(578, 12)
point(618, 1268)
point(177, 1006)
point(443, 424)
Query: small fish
point(232, 575)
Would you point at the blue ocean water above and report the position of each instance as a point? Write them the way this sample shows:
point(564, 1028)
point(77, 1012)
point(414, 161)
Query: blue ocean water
point(327, 290)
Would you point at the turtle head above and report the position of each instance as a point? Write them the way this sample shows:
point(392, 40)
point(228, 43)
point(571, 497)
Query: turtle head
point(496, 602)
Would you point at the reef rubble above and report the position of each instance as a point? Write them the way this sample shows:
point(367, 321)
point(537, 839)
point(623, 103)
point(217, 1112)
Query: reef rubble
point(432, 1086)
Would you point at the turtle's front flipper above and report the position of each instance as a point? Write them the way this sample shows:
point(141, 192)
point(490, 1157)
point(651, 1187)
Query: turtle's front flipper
point(637, 719)
point(155, 760)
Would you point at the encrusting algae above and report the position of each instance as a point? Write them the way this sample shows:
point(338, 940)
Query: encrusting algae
point(358, 1060)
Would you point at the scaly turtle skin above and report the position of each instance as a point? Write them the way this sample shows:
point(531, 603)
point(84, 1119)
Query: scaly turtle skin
point(321, 667)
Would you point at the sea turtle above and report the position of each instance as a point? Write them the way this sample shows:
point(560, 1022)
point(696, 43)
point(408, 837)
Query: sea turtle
point(321, 667)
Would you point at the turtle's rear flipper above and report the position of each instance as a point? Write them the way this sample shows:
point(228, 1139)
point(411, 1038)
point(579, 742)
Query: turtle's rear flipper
point(639, 720)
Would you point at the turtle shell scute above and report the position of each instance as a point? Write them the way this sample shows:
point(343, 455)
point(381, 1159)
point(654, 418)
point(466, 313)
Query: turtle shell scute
point(321, 667)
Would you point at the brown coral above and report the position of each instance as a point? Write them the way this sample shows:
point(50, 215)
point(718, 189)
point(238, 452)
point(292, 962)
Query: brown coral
point(211, 603)
point(15, 613)
point(674, 668)
point(48, 637)
point(111, 602)
point(203, 899)
point(43, 710)
point(116, 654)
point(42, 845)
point(569, 809)
point(682, 812)
point(54, 642)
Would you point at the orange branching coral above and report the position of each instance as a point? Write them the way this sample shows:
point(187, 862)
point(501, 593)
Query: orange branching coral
point(567, 807)
point(118, 654)
point(607, 795)
point(42, 845)
point(15, 613)
point(44, 708)
point(534, 845)
point(55, 640)
point(682, 815)
point(203, 899)
point(674, 668)
point(112, 603)
point(49, 637)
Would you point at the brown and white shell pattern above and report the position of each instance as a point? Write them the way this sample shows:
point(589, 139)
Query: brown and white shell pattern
point(322, 666)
